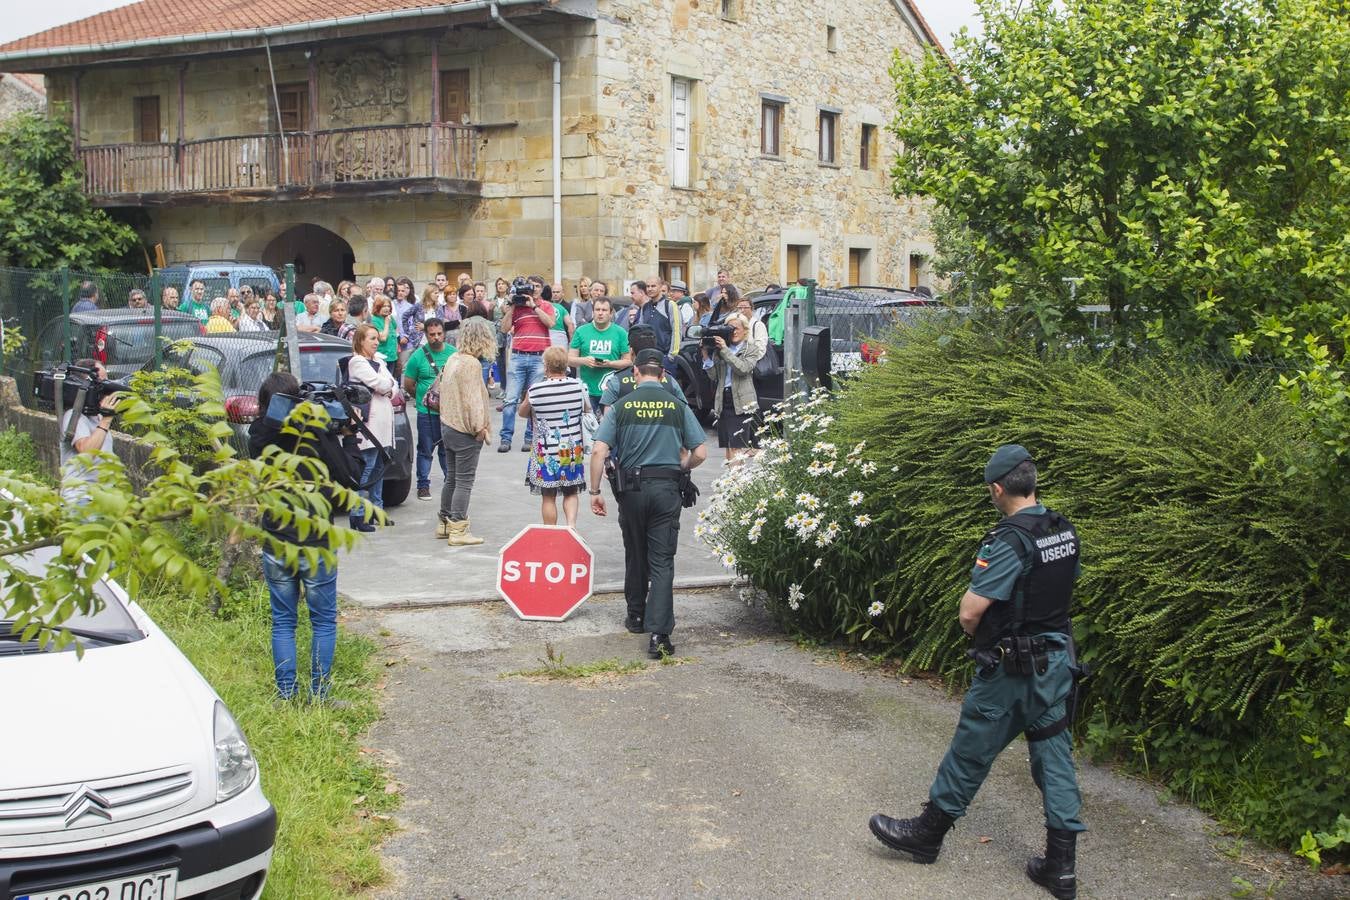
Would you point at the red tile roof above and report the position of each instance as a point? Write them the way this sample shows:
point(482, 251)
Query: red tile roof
point(172, 18)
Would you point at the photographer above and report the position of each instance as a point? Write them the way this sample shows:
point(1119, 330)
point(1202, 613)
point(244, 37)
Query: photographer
point(528, 322)
point(91, 436)
point(734, 399)
point(368, 369)
point(284, 584)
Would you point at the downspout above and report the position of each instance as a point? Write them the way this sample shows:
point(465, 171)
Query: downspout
point(281, 129)
point(557, 133)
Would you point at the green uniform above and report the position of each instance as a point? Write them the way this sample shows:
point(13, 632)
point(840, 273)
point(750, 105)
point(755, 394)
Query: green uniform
point(619, 383)
point(419, 370)
point(647, 431)
point(1029, 575)
point(609, 344)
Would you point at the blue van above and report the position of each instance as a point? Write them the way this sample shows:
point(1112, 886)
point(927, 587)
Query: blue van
point(219, 275)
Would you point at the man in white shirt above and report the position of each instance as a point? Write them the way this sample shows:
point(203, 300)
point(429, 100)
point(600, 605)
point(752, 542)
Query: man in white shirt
point(92, 435)
point(309, 321)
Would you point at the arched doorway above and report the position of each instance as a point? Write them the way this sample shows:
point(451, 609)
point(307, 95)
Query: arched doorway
point(317, 254)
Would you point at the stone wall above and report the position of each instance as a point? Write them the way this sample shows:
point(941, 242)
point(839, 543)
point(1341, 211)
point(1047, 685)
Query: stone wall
point(16, 96)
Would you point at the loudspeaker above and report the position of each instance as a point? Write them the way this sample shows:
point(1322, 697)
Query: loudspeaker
point(816, 356)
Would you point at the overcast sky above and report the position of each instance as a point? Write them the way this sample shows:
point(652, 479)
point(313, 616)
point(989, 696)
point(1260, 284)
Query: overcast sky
point(24, 18)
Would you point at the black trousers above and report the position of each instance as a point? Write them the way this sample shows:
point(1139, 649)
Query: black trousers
point(650, 521)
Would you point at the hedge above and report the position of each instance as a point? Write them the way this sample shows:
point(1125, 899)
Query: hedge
point(1215, 594)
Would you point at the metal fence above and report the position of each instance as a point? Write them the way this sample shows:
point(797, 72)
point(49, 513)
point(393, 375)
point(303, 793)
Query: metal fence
point(135, 322)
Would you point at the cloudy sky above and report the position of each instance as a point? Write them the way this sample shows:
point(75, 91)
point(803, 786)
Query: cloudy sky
point(24, 18)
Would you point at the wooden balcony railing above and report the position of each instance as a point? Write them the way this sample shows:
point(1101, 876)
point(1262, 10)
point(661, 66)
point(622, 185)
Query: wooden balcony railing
point(315, 159)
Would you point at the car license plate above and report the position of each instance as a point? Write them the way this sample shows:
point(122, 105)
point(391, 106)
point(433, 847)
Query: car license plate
point(161, 885)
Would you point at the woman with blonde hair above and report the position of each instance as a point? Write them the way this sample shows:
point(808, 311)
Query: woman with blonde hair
point(428, 307)
point(557, 464)
point(367, 368)
point(466, 425)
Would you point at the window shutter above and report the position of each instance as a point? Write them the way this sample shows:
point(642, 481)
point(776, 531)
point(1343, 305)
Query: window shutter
point(679, 131)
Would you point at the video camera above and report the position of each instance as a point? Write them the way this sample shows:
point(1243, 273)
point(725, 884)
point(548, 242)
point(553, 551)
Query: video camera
point(340, 401)
point(522, 290)
point(80, 386)
point(708, 334)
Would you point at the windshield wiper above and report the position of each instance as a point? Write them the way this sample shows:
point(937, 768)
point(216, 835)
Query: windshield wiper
point(124, 636)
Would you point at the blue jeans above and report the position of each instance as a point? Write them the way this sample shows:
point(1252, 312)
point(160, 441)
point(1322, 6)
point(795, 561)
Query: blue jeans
point(373, 470)
point(525, 370)
point(428, 436)
point(487, 370)
point(283, 587)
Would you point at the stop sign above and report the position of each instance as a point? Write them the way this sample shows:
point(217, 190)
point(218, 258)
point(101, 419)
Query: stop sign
point(545, 572)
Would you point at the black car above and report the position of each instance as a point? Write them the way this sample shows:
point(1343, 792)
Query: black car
point(244, 360)
point(122, 339)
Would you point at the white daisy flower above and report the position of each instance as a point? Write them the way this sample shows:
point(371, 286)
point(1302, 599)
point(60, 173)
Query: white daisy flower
point(855, 498)
point(862, 521)
point(818, 563)
point(876, 609)
point(729, 560)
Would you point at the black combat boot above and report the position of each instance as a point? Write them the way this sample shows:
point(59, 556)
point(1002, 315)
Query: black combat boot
point(921, 838)
point(1055, 870)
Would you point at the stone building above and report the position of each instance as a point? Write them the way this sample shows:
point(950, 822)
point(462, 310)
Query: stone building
point(21, 93)
point(409, 137)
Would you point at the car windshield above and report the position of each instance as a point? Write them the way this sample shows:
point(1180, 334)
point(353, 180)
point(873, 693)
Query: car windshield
point(320, 363)
point(110, 625)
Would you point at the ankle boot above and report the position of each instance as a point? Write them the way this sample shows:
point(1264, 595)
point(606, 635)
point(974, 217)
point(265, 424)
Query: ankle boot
point(921, 838)
point(458, 534)
point(442, 528)
point(1055, 871)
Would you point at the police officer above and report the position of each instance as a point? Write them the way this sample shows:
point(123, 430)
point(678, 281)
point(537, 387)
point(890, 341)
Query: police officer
point(656, 443)
point(1017, 612)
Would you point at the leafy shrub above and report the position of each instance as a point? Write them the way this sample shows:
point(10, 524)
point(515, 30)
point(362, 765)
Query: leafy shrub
point(1214, 598)
point(18, 455)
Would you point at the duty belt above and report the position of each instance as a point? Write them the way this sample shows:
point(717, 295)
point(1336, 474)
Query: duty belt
point(657, 472)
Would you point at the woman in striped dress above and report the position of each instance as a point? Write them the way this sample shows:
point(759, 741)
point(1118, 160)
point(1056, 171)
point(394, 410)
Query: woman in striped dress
point(557, 463)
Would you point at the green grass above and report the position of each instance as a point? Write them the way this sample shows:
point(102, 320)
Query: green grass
point(331, 800)
point(561, 671)
point(17, 455)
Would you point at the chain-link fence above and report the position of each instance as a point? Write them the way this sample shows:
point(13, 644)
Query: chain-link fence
point(227, 317)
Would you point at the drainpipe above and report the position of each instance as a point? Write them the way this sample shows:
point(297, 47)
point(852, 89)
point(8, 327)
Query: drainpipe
point(557, 133)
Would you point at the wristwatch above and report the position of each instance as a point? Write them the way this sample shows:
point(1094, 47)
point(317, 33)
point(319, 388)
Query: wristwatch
point(594, 493)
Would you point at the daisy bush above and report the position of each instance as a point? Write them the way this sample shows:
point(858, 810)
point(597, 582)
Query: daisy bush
point(795, 521)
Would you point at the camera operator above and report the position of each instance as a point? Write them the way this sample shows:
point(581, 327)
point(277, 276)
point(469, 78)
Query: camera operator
point(732, 371)
point(91, 436)
point(284, 584)
point(528, 321)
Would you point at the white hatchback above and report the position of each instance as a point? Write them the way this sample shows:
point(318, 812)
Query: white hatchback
point(122, 774)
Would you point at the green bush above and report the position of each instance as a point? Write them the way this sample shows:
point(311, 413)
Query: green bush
point(1214, 598)
point(18, 455)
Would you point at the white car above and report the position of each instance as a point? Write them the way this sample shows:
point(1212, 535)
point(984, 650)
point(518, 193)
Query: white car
point(122, 774)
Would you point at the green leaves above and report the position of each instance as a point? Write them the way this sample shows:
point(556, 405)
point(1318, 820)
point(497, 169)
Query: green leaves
point(48, 219)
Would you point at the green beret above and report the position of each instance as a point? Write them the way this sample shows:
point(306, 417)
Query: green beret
point(1004, 460)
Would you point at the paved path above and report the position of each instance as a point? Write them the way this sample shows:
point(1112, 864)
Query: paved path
point(406, 565)
point(749, 770)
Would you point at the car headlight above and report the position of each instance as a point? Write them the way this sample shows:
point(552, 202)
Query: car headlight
point(235, 766)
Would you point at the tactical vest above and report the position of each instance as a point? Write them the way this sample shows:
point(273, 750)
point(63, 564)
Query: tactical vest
point(625, 383)
point(1047, 545)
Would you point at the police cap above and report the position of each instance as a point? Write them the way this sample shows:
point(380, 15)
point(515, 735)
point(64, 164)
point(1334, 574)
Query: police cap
point(1004, 460)
point(650, 357)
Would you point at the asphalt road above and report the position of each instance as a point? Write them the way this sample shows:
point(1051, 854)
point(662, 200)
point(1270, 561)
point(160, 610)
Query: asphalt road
point(748, 770)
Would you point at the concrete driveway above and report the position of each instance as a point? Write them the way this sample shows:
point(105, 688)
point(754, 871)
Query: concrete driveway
point(406, 565)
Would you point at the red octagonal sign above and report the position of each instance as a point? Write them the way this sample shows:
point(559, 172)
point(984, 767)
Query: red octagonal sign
point(545, 572)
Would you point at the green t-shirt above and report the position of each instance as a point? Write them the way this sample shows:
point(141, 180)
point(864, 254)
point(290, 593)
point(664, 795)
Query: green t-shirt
point(388, 346)
point(610, 344)
point(649, 427)
point(199, 310)
point(560, 323)
point(419, 370)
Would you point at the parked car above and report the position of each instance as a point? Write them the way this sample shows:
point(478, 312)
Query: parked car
point(122, 339)
point(123, 775)
point(218, 276)
point(244, 360)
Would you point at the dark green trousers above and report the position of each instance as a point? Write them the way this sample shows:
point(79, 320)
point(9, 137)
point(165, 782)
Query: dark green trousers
point(650, 521)
point(996, 710)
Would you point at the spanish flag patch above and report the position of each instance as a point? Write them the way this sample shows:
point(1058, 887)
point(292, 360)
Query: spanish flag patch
point(982, 563)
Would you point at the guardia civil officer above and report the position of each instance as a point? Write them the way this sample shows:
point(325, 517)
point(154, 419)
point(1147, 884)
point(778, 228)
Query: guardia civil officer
point(1017, 612)
point(656, 443)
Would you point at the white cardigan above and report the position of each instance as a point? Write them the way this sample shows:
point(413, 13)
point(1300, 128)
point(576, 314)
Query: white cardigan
point(375, 375)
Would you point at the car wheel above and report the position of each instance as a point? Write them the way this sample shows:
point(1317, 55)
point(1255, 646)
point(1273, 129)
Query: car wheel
point(395, 492)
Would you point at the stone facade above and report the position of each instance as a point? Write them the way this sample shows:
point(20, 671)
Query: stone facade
point(621, 213)
point(20, 94)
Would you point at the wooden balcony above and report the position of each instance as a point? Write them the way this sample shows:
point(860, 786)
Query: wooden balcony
point(382, 160)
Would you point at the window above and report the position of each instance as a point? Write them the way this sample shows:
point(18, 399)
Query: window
point(455, 96)
point(829, 132)
point(145, 119)
point(731, 10)
point(673, 263)
point(916, 261)
point(859, 265)
point(867, 147)
point(681, 90)
point(831, 39)
point(293, 101)
point(771, 128)
point(797, 263)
